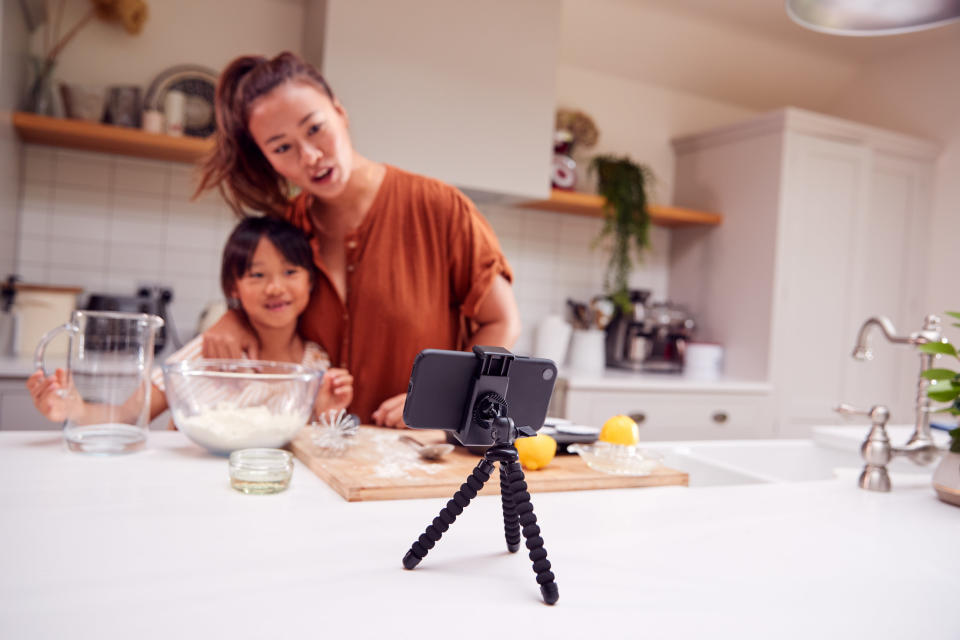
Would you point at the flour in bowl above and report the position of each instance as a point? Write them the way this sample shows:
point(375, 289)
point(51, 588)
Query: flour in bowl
point(227, 427)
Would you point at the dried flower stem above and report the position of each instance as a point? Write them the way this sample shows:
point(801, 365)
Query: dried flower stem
point(70, 34)
point(60, 11)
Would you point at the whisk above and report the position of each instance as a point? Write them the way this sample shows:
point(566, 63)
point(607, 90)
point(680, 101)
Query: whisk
point(333, 428)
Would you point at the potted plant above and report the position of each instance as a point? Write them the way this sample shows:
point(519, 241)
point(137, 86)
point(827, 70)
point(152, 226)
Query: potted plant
point(624, 184)
point(945, 387)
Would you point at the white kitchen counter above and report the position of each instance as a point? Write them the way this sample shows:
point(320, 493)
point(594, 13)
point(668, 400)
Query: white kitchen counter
point(621, 380)
point(157, 545)
point(19, 366)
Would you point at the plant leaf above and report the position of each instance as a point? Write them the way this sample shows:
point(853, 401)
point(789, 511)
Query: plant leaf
point(944, 396)
point(943, 348)
point(954, 314)
point(939, 374)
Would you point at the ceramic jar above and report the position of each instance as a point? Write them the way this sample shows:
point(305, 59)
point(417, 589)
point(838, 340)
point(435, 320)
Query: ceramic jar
point(946, 478)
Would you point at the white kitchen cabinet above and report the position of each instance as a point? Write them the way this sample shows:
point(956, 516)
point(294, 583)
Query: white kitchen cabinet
point(17, 412)
point(464, 92)
point(667, 409)
point(824, 226)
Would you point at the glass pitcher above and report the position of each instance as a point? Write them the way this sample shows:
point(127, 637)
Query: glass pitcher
point(107, 393)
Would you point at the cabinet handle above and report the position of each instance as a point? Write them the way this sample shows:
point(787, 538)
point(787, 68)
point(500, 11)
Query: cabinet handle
point(720, 417)
point(638, 417)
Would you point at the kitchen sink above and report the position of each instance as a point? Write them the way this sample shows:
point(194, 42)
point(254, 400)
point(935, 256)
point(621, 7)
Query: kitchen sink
point(703, 473)
point(761, 461)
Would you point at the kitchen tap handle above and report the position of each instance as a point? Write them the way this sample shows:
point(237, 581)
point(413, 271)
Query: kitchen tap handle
point(849, 410)
point(878, 413)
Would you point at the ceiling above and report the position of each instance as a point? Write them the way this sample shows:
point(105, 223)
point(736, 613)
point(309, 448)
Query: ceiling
point(743, 52)
point(768, 18)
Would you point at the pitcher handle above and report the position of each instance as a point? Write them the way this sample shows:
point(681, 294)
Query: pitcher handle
point(47, 337)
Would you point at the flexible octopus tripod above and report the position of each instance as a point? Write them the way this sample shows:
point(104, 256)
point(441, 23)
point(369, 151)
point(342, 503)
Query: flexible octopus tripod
point(517, 508)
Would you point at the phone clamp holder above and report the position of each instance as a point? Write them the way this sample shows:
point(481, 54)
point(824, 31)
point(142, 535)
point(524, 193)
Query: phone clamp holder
point(488, 410)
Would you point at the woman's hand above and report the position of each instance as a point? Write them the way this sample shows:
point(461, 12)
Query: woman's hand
point(390, 412)
point(336, 390)
point(48, 397)
point(231, 337)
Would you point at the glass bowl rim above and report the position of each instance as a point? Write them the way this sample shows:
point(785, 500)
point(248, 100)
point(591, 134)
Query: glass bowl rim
point(198, 367)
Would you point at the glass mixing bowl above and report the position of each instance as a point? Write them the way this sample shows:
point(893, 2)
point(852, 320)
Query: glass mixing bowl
point(226, 405)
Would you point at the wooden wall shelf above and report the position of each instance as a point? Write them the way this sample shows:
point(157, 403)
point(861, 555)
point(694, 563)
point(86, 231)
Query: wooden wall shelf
point(588, 204)
point(92, 136)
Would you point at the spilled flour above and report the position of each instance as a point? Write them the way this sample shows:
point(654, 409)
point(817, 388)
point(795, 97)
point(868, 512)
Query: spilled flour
point(397, 460)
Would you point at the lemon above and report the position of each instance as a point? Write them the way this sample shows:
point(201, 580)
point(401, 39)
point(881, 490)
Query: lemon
point(537, 451)
point(620, 429)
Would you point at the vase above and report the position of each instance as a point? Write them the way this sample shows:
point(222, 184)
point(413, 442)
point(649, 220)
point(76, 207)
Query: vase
point(39, 97)
point(563, 173)
point(946, 479)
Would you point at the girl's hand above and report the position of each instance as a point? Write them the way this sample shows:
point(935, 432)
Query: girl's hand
point(390, 413)
point(231, 337)
point(47, 394)
point(336, 390)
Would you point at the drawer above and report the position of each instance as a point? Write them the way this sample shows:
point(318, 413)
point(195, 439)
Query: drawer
point(677, 415)
point(17, 412)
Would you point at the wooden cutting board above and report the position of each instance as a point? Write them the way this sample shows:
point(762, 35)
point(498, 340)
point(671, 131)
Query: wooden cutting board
point(376, 466)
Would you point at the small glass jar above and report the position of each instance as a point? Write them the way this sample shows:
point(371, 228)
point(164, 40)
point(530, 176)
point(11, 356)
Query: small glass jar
point(260, 471)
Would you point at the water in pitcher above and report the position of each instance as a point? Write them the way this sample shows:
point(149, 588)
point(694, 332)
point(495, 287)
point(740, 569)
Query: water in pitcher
point(112, 401)
point(108, 372)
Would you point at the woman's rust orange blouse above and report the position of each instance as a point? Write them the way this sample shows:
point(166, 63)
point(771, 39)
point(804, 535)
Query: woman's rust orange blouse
point(418, 267)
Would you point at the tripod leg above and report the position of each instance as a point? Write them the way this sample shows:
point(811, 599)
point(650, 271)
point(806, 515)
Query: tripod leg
point(531, 531)
point(455, 506)
point(511, 524)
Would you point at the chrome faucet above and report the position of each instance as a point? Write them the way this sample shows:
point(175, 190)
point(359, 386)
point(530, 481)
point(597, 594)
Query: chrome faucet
point(877, 451)
point(919, 447)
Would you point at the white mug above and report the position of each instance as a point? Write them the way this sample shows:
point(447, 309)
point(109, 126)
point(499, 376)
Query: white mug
point(174, 106)
point(703, 360)
point(587, 351)
point(552, 339)
point(153, 121)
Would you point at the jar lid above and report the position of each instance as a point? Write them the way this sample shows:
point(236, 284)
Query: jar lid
point(261, 459)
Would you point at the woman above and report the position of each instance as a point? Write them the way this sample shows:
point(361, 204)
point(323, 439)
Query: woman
point(405, 262)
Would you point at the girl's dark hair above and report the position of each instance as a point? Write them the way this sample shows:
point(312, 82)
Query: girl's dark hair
point(237, 166)
point(243, 241)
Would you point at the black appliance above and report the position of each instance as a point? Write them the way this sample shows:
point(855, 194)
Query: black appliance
point(151, 300)
point(648, 336)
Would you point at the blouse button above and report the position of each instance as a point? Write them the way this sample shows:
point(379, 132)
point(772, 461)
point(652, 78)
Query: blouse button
point(350, 268)
point(351, 244)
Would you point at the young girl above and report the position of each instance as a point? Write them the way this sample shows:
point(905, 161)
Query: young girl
point(267, 275)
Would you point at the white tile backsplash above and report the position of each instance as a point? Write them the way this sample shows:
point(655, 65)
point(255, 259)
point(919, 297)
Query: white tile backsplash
point(39, 165)
point(90, 254)
point(83, 169)
point(112, 223)
point(141, 176)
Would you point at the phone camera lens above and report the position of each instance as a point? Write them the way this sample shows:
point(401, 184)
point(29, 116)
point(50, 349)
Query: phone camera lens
point(548, 374)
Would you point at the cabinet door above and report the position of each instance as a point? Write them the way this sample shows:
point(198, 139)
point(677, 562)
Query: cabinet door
point(825, 192)
point(17, 412)
point(888, 281)
point(676, 416)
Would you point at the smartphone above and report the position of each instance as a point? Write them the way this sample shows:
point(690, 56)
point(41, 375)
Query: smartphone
point(441, 387)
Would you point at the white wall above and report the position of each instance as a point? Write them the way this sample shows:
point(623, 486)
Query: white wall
point(461, 91)
point(12, 68)
point(918, 92)
point(204, 32)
